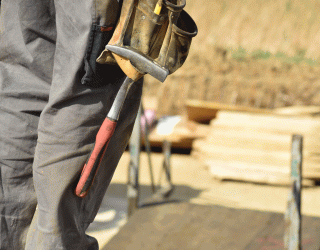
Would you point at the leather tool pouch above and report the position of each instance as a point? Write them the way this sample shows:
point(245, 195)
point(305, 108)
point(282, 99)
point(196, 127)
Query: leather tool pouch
point(164, 38)
point(148, 29)
point(178, 44)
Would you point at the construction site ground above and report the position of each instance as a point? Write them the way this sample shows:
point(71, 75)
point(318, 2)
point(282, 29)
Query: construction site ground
point(193, 185)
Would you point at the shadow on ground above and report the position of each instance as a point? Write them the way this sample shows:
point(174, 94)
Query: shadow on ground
point(113, 211)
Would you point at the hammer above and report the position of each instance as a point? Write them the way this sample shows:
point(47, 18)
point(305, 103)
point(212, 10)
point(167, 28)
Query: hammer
point(103, 137)
point(125, 59)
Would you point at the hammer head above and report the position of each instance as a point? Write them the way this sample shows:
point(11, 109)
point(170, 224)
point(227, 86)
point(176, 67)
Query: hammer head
point(143, 63)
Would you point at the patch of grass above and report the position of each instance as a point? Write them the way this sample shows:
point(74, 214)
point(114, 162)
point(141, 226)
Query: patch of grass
point(260, 54)
point(241, 54)
point(288, 5)
point(298, 58)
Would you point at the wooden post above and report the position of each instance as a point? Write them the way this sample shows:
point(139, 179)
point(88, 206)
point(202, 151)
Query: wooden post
point(166, 187)
point(148, 148)
point(292, 237)
point(133, 178)
point(166, 147)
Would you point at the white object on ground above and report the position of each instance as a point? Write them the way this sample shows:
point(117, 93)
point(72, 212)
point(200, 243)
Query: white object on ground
point(166, 124)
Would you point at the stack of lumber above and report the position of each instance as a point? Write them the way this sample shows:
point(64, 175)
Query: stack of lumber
point(256, 147)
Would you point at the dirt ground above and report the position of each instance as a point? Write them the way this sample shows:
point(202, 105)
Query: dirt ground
point(193, 183)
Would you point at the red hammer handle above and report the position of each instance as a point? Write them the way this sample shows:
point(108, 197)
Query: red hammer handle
point(90, 169)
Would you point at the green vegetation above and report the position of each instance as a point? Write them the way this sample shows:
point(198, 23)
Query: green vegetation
point(241, 54)
point(288, 5)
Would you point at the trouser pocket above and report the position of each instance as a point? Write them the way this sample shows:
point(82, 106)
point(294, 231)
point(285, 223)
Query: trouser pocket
point(95, 74)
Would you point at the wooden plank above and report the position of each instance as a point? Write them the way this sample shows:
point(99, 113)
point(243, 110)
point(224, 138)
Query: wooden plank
point(268, 123)
point(182, 135)
point(258, 173)
point(198, 227)
point(259, 139)
point(254, 156)
point(298, 111)
point(249, 139)
point(177, 141)
point(204, 111)
point(250, 154)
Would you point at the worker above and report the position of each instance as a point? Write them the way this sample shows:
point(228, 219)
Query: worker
point(53, 99)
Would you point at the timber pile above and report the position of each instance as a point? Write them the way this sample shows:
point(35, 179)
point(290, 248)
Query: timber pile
point(256, 147)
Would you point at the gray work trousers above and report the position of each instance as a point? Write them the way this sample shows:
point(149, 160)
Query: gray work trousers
point(53, 99)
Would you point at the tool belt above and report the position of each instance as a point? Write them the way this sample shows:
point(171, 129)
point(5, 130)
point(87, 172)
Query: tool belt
point(159, 31)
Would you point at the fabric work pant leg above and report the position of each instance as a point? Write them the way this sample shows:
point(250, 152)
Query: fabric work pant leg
point(46, 51)
point(25, 76)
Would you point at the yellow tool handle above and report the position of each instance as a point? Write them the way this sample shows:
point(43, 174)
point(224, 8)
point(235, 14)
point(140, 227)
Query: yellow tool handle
point(158, 7)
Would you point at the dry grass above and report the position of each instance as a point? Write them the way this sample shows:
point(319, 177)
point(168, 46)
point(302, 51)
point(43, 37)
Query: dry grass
point(261, 53)
point(289, 26)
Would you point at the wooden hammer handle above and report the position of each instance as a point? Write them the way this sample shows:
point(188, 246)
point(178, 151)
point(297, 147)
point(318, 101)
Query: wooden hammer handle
point(127, 67)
